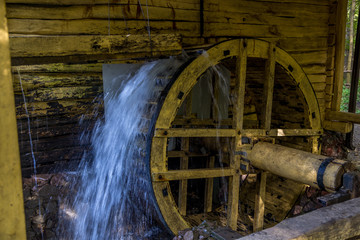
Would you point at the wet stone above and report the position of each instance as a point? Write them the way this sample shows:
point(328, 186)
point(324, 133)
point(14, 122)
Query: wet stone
point(189, 235)
point(48, 190)
point(32, 204)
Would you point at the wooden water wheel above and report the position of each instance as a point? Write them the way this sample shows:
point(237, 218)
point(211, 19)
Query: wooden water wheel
point(271, 99)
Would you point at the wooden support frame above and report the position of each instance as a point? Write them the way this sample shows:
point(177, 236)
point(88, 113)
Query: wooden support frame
point(269, 87)
point(341, 13)
point(238, 113)
point(184, 163)
point(12, 217)
point(260, 201)
point(203, 132)
point(175, 97)
point(209, 187)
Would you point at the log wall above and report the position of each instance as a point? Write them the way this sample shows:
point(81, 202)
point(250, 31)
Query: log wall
point(57, 48)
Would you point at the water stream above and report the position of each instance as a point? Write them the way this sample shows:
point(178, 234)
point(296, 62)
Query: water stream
point(113, 197)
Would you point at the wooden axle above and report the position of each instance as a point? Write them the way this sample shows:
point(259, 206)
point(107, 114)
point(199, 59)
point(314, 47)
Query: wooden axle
point(316, 170)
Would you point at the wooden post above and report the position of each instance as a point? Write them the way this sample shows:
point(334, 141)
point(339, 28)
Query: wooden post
point(269, 87)
point(209, 187)
point(12, 219)
point(238, 113)
point(341, 13)
point(184, 163)
point(260, 202)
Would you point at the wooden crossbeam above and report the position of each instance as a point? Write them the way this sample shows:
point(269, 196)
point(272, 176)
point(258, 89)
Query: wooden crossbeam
point(173, 175)
point(203, 132)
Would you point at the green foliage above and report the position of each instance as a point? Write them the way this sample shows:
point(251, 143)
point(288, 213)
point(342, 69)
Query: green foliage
point(344, 105)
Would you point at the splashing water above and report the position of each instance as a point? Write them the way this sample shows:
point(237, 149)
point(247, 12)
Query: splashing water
point(114, 195)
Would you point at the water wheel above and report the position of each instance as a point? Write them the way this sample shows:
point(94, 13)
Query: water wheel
point(196, 160)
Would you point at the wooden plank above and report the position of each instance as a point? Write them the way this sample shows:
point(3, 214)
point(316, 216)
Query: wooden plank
point(269, 87)
point(261, 31)
point(118, 12)
point(174, 175)
point(194, 132)
point(33, 46)
point(342, 127)
point(343, 116)
point(341, 13)
point(12, 218)
point(260, 202)
point(209, 187)
point(99, 27)
point(188, 4)
point(267, 18)
point(58, 68)
point(35, 81)
point(281, 8)
point(339, 221)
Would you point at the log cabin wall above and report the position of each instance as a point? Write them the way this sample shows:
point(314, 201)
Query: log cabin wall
point(58, 47)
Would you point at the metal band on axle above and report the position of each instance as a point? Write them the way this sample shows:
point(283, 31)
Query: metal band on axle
point(321, 171)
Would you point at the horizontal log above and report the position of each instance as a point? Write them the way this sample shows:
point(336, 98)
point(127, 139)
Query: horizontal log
point(192, 132)
point(72, 45)
point(339, 221)
point(299, 166)
point(343, 116)
point(192, 174)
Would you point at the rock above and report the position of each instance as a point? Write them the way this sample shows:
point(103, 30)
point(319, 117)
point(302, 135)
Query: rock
point(189, 235)
point(32, 204)
point(51, 207)
point(48, 190)
point(49, 224)
point(39, 219)
point(59, 180)
point(49, 234)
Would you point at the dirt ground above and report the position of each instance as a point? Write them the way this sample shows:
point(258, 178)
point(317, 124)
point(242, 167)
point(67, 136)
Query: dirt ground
point(354, 155)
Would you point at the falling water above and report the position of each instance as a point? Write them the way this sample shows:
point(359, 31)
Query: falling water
point(114, 195)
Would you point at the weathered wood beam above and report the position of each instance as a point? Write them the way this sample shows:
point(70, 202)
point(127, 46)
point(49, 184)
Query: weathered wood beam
point(209, 187)
point(343, 116)
point(238, 121)
point(269, 88)
point(192, 174)
point(184, 163)
point(45, 46)
point(342, 127)
point(339, 221)
point(12, 217)
point(203, 132)
point(341, 13)
point(260, 202)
